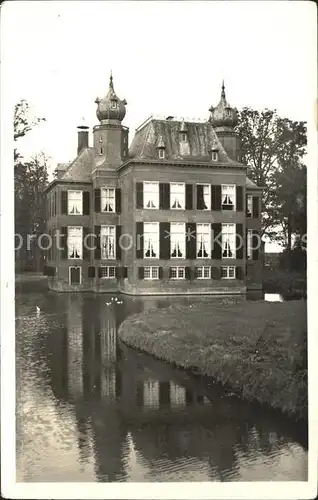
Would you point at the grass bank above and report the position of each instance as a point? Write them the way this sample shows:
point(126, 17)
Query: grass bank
point(257, 349)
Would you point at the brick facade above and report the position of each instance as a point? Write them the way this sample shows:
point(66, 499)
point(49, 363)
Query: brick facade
point(193, 155)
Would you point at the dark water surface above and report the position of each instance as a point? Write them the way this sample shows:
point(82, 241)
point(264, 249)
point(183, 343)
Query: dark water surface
point(90, 409)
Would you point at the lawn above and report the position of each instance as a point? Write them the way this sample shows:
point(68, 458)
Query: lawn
point(258, 349)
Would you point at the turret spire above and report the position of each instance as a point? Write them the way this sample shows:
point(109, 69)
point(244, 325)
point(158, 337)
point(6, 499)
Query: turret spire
point(110, 107)
point(223, 91)
point(223, 115)
point(111, 85)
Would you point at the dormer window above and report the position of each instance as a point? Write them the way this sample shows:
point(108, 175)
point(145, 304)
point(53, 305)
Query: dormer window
point(183, 137)
point(162, 154)
point(214, 155)
point(228, 112)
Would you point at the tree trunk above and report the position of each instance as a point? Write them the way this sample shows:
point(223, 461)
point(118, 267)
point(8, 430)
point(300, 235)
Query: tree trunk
point(289, 233)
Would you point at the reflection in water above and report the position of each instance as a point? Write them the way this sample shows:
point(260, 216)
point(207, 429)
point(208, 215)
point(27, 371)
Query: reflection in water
point(108, 413)
point(273, 297)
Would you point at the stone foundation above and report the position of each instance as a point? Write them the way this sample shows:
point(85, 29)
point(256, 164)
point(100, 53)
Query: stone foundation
point(152, 287)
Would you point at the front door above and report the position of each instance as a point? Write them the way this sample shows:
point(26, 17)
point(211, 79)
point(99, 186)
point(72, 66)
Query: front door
point(75, 275)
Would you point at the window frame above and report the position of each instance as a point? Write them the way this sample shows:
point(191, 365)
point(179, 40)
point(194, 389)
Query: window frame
point(228, 277)
point(81, 245)
point(151, 272)
point(105, 197)
point(214, 156)
point(157, 241)
point(171, 192)
point(102, 229)
point(108, 277)
point(156, 195)
point(225, 194)
point(205, 184)
point(203, 268)
point(209, 240)
point(249, 244)
point(183, 137)
point(177, 272)
point(113, 104)
point(230, 234)
point(161, 154)
point(249, 197)
point(69, 191)
point(183, 249)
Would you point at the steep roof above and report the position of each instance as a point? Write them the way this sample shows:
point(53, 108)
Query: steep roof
point(80, 170)
point(251, 185)
point(201, 139)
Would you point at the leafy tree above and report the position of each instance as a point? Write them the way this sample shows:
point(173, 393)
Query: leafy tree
point(23, 123)
point(291, 201)
point(30, 180)
point(273, 148)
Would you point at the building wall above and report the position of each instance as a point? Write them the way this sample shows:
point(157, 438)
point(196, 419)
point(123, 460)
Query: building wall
point(131, 215)
point(254, 268)
point(126, 181)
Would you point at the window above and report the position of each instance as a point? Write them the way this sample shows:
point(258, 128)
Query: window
point(108, 199)
point(183, 137)
point(108, 272)
point(177, 196)
point(203, 273)
point(107, 242)
point(177, 240)
point(113, 104)
point(228, 241)
point(215, 156)
point(228, 272)
point(228, 197)
point(151, 393)
point(74, 242)
point(203, 241)
point(161, 153)
point(228, 112)
point(151, 240)
point(101, 151)
point(75, 203)
point(151, 195)
point(151, 273)
point(249, 243)
point(249, 208)
point(54, 203)
point(177, 273)
point(100, 138)
point(204, 197)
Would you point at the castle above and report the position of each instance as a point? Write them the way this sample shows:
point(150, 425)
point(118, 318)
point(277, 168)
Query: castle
point(174, 213)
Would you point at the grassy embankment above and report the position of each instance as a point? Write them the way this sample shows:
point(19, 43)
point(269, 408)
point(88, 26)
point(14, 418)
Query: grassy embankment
point(256, 349)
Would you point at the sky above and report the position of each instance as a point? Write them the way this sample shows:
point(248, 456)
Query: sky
point(167, 58)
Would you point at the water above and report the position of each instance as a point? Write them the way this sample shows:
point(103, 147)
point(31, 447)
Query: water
point(90, 409)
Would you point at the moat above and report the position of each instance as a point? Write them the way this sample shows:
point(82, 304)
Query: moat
point(90, 409)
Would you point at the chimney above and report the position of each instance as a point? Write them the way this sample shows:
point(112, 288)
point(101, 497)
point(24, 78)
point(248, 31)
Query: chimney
point(82, 140)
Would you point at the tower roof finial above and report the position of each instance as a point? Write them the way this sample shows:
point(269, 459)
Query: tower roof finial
point(111, 85)
point(223, 90)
